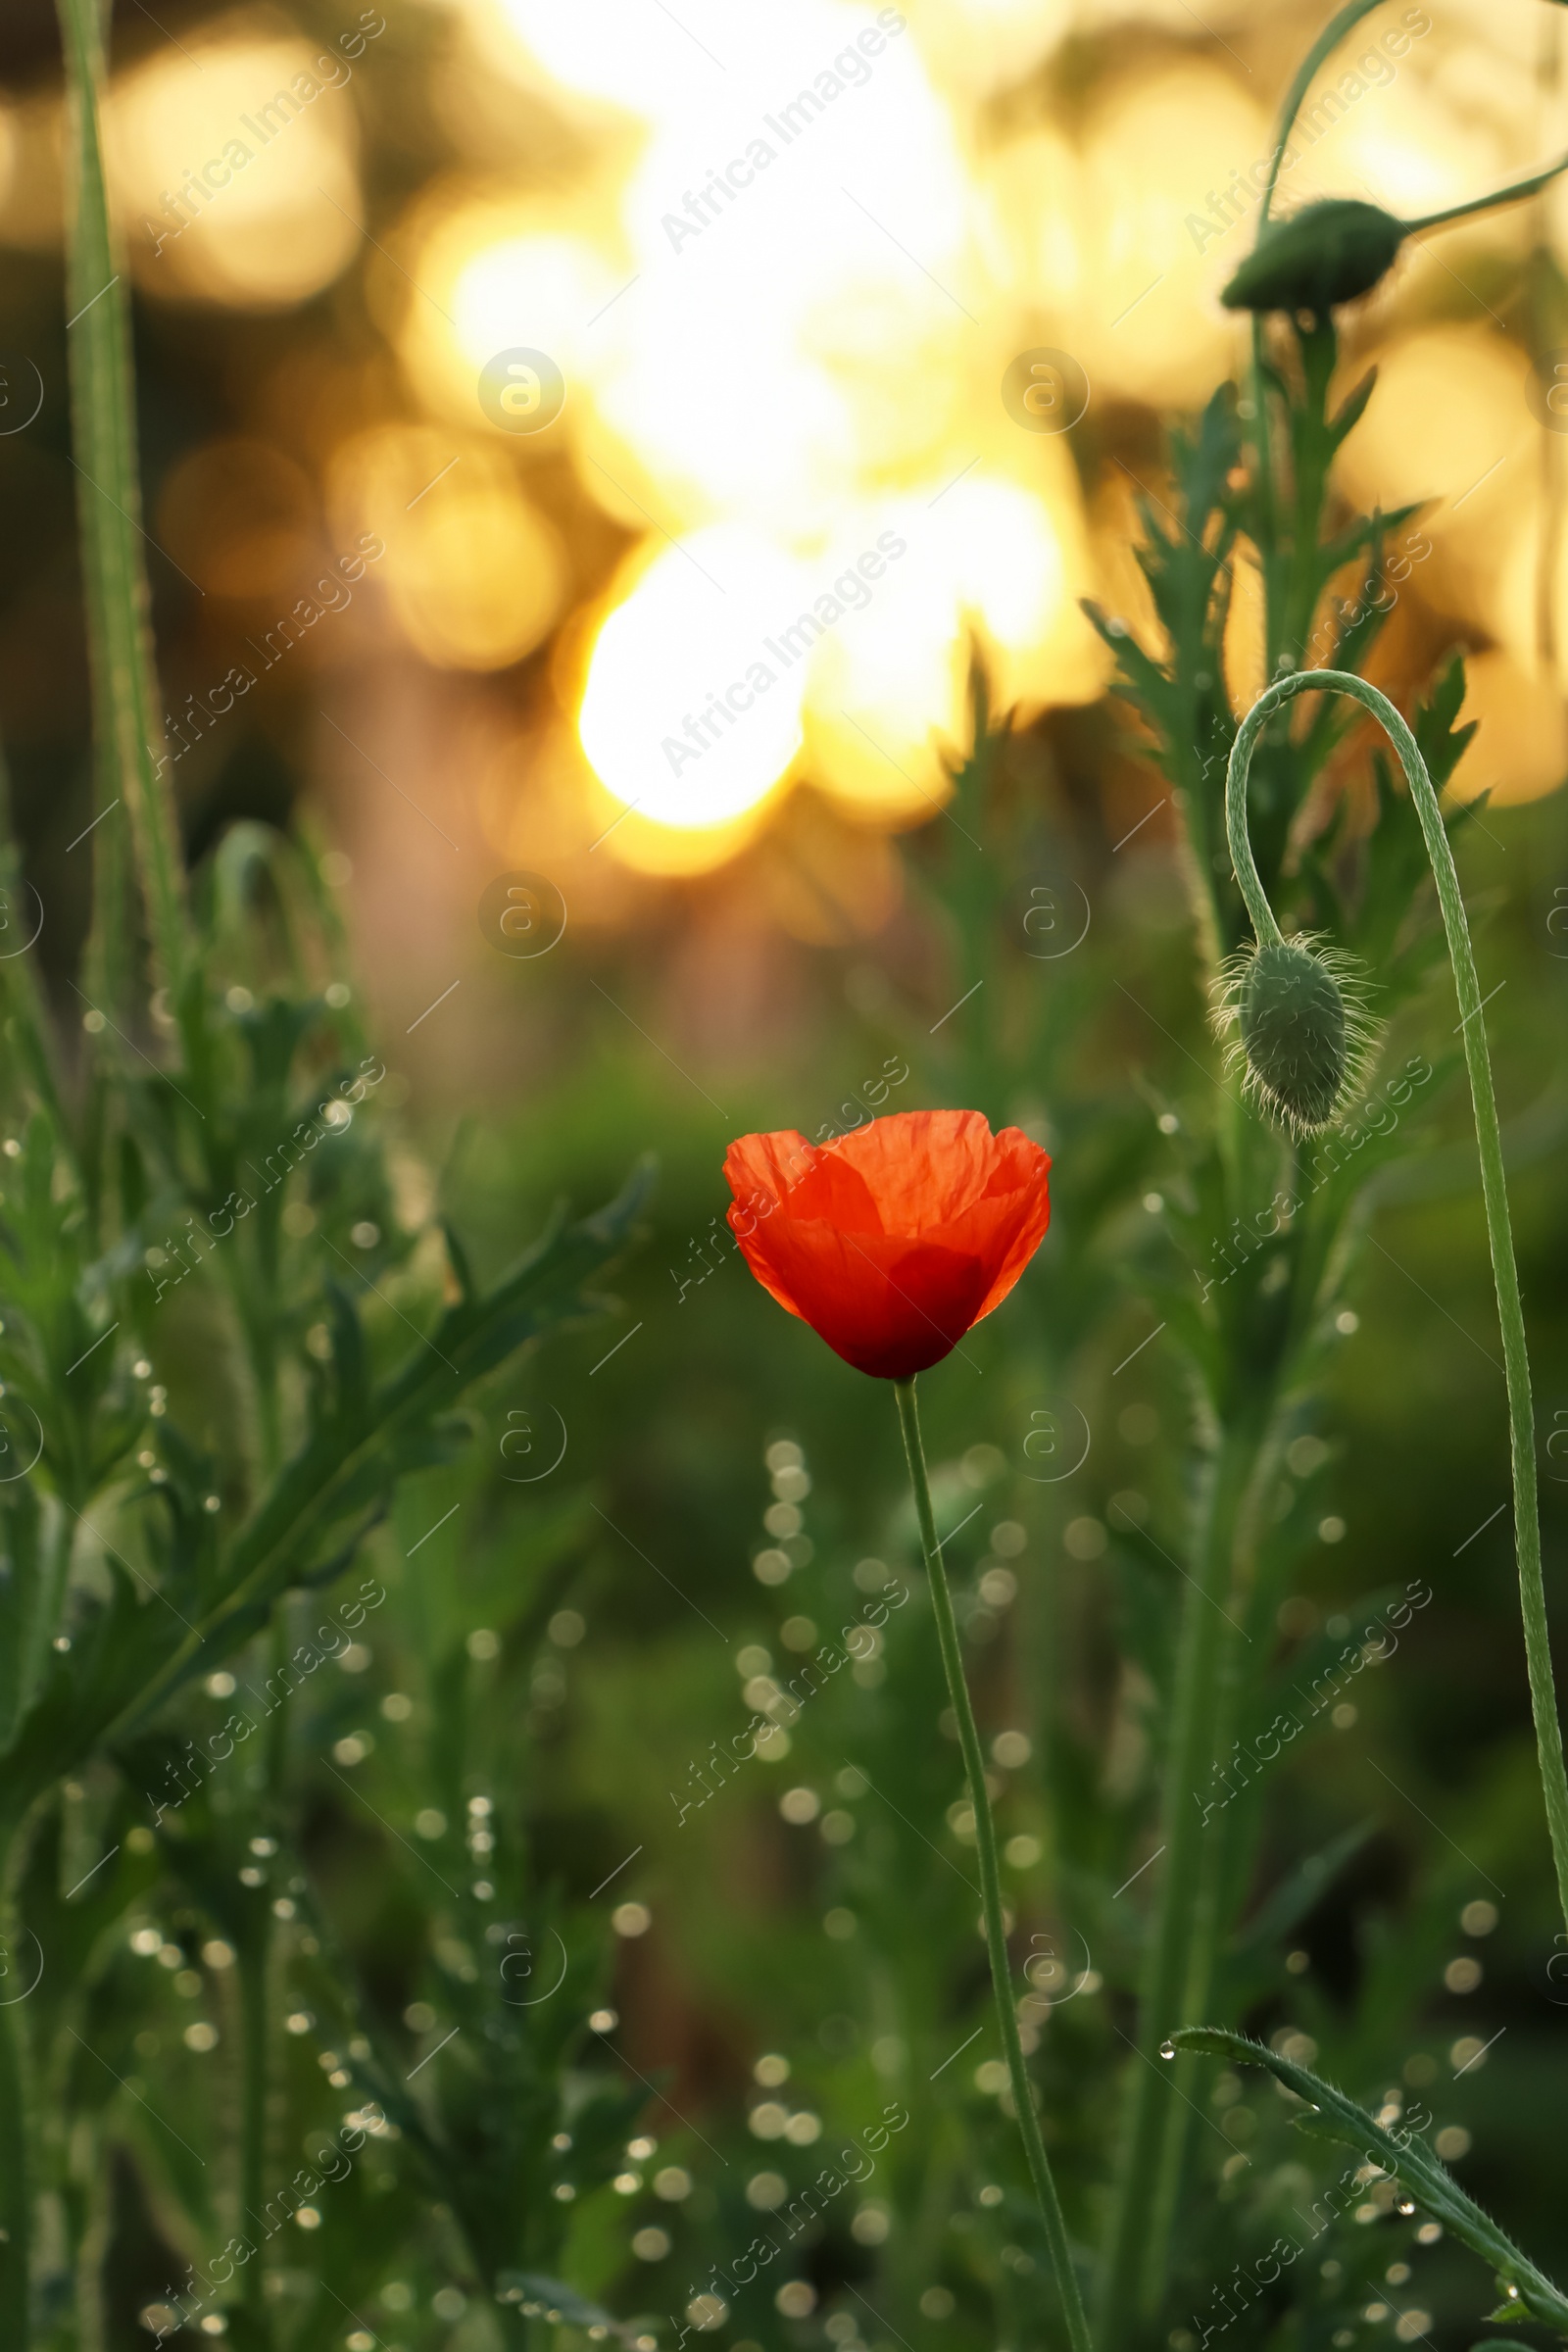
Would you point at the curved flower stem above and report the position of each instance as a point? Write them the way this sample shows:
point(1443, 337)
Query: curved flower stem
point(989, 1880)
point(1494, 1189)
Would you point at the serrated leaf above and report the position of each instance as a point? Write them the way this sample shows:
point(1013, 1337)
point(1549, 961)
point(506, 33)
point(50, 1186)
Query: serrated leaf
point(340, 1470)
point(118, 1646)
point(1432, 727)
point(1422, 2176)
point(1141, 672)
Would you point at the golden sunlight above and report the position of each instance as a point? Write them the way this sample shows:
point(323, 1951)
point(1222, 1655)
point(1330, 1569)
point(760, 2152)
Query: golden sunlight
point(780, 285)
point(234, 168)
point(691, 707)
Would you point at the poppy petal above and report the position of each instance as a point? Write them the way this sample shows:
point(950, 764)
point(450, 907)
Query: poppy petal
point(890, 1242)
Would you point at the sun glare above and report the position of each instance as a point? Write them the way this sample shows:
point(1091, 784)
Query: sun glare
point(691, 707)
point(783, 286)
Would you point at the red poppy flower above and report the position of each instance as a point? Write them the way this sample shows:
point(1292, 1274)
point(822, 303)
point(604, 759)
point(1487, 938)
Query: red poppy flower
point(890, 1242)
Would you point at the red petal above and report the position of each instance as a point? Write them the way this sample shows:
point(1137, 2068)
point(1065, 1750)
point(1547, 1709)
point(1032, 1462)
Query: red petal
point(890, 1242)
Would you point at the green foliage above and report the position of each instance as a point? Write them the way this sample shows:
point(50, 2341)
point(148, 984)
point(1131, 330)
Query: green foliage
point(160, 1556)
point(325, 1751)
point(1327, 2114)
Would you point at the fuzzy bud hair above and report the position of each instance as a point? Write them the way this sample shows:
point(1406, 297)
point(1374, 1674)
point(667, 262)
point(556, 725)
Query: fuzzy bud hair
point(1294, 1013)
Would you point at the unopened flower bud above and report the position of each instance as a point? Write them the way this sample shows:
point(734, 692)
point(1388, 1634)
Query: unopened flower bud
point(1301, 1030)
point(1326, 254)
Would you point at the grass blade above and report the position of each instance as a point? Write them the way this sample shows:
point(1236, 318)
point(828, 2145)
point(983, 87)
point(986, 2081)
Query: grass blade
point(130, 756)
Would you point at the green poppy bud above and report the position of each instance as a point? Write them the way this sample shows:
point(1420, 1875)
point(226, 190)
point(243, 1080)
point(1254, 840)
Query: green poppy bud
point(1293, 1025)
point(1301, 1034)
point(1327, 253)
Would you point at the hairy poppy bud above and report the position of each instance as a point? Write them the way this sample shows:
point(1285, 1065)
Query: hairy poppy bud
point(1301, 1031)
point(1325, 253)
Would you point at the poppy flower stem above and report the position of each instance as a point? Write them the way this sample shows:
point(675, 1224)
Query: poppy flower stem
point(1494, 1188)
point(985, 1835)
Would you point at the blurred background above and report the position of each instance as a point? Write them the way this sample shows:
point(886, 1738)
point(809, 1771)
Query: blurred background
point(584, 447)
point(770, 334)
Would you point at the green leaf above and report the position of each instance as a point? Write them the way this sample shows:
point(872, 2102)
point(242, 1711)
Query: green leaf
point(350, 1358)
point(1301, 1890)
point(1396, 867)
point(116, 1647)
point(458, 1257)
point(127, 729)
point(1440, 739)
point(1424, 2179)
point(1185, 553)
point(363, 1440)
point(133, 1181)
point(22, 1633)
point(1352, 409)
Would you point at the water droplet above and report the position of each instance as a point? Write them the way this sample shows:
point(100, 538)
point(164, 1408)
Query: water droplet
point(1168, 2049)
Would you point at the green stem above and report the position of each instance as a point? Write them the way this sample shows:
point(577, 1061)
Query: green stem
point(29, 1032)
point(256, 1961)
point(1546, 292)
point(1263, 476)
point(127, 723)
point(989, 1880)
point(1252, 1454)
point(1179, 1956)
point(1481, 204)
point(1494, 1188)
point(15, 2189)
point(255, 1971)
point(1329, 39)
point(42, 1623)
point(1313, 453)
point(16, 2159)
